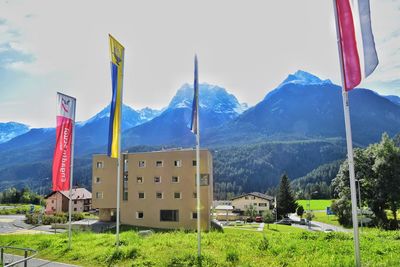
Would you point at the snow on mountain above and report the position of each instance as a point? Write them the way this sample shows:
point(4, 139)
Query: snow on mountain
point(9, 130)
point(211, 97)
point(131, 117)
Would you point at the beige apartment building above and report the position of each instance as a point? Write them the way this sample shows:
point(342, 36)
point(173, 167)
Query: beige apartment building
point(158, 189)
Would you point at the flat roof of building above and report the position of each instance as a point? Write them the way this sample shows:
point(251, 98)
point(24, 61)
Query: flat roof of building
point(158, 151)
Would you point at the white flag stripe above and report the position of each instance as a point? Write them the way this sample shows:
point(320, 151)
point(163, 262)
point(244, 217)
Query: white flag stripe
point(66, 106)
point(370, 56)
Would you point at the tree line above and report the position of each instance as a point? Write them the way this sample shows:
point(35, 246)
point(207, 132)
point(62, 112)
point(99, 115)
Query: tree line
point(22, 196)
point(377, 171)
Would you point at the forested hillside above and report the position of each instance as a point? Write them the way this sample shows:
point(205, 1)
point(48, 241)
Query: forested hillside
point(258, 167)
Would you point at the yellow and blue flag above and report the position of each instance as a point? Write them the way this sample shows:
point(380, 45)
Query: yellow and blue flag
point(117, 67)
point(195, 105)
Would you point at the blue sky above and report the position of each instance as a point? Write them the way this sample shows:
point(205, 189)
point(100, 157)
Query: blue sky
point(248, 47)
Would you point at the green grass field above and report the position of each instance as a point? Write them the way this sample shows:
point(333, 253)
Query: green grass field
point(18, 209)
point(322, 217)
point(232, 248)
point(315, 204)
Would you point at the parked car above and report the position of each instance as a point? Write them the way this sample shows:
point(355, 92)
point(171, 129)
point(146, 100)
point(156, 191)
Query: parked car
point(259, 219)
point(302, 222)
point(249, 219)
point(285, 221)
point(239, 222)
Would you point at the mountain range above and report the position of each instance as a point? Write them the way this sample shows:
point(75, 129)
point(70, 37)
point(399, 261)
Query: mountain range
point(9, 130)
point(303, 107)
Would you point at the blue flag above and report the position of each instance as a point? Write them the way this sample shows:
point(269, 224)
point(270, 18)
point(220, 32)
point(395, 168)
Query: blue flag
point(195, 106)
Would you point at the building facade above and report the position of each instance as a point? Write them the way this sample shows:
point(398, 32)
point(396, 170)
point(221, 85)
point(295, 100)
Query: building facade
point(259, 201)
point(158, 189)
point(58, 201)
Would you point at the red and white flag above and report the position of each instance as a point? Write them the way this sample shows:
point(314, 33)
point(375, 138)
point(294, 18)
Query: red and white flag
point(348, 41)
point(63, 149)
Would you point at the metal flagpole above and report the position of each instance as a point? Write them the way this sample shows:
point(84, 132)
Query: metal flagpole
point(119, 160)
point(198, 175)
point(71, 183)
point(359, 203)
point(350, 157)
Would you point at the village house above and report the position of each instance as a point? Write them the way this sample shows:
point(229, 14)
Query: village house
point(58, 201)
point(259, 201)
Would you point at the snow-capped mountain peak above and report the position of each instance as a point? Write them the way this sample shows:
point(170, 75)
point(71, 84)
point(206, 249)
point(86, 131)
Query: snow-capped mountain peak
point(9, 130)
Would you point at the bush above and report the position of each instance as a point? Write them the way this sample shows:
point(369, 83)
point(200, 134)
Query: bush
point(300, 211)
point(309, 216)
point(342, 209)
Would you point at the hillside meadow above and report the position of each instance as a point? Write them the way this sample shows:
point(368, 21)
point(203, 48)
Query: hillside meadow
point(234, 247)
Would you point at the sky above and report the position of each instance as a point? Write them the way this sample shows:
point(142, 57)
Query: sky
point(247, 47)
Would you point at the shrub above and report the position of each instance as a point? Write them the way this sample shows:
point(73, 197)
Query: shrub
point(342, 208)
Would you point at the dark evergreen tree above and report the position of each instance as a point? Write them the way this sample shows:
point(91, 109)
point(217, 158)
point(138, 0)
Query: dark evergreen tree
point(285, 198)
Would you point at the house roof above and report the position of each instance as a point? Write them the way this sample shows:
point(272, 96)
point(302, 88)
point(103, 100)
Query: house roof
point(77, 193)
point(256, 194)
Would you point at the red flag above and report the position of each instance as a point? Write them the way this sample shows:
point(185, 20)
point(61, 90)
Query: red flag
point(351, 60)
point(62, 150)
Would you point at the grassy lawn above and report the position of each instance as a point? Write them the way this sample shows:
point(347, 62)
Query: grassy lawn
point(232, 248)
point(315, 204)
point(322, 217)
point(18, 209)
point(279, 228)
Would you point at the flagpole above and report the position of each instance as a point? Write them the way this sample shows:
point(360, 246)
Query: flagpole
point(350, 157)
point(71, 183)
point(198, 175)
point(119, 159)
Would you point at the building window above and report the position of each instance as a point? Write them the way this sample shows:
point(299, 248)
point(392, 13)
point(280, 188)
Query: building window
point(97, 180)
point(159, 163)
point(175, 179)
point(246, 197)
point(178, 163)
point(52, 201)
point(141, 194)
point(194, 195)
point(99, 194)
point(169, 215)
point(125, 187)
point(139, 180)
point(125, 162)
point(159, 195)
point(139, 215)
point(157, 179)
point(262, 204)
point(74, 209)
point(194, 162)
point(75, 202)
point(142, 164)
point(204, 179)
point(194, 215)
point(177, 195)
point(99, 165)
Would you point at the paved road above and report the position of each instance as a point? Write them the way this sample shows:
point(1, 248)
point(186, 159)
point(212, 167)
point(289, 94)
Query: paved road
point(318, 226)
point(36, 262)
point(7, 223)
point(15, 224)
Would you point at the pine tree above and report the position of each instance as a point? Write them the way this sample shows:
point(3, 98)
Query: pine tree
point(285, 198)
